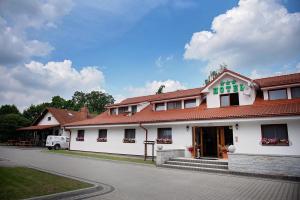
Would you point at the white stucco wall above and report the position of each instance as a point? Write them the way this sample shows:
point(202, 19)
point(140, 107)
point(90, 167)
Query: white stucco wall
point(45, 121)
point(213, 100)
point(246, 138)
point(249, 137)
point(180, 136)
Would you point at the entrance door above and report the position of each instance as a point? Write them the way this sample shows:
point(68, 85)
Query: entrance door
point(210, 142)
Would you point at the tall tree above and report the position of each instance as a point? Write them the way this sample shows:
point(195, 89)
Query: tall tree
point(214, 73)
point(96, 101)
point(35, 111)
point(58, 102)
point(79, 100)
point(8, 109)
point(9, 123)
point(160, 89)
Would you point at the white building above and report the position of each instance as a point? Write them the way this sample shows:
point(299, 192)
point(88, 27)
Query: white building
point(51, 122)
point(260, 118)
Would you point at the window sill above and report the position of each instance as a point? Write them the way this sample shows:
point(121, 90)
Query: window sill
point(79, 140)
point(275, 144)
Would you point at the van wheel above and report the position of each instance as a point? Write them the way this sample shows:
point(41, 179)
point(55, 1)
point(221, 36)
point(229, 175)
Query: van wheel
point(57, 147)
point(50, 148)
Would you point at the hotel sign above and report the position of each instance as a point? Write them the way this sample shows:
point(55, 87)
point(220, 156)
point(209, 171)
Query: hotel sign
point(228, 86)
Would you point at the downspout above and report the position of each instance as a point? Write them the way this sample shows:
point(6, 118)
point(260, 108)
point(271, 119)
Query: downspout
point(146, 131)
point(70, 138)
point(146, 139)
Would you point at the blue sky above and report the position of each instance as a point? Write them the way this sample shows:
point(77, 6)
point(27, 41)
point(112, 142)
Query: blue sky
point(129, 47)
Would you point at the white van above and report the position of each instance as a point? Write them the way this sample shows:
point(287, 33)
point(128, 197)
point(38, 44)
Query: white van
point(57, 142)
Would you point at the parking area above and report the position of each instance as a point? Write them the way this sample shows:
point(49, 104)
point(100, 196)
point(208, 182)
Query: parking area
point(136, 181)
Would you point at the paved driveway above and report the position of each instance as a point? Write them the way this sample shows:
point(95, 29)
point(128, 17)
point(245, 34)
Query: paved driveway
point(132, 181)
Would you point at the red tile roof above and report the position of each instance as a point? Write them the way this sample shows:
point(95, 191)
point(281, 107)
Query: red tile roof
point(278, 80)
point(64, 116)
point(260, 108)
point(36, 128)
point(163, 96)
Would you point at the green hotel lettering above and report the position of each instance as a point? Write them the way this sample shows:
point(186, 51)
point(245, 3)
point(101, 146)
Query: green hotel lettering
point(228, 86)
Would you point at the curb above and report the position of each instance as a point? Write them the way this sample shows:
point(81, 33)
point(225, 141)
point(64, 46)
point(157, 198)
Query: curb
point(97, 189)
point(101, 159)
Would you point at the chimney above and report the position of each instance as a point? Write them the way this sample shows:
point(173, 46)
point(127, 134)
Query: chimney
point(84, 112)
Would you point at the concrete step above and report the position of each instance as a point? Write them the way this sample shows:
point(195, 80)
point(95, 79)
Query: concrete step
point(203, 161)
point(196, 164)
point(192, 168)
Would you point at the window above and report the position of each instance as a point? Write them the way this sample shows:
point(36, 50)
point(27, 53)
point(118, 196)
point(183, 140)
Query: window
point(49, 118)
point(295, 92)
point(113, 111)
point(274, 134)
point(133, 109)
point(80, 135)
point(102, 135)
point(173, 105)
point(229, 100)
point(129, 136)
point(123, 109)
point(277, 94)
point(164, 136)
point(191, 103)
point(159, 106)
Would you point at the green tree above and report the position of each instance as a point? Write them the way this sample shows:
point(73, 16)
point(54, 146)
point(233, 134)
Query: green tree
point(96, 101)
point(160, 89)
point(9, 123)
point(35, 111)
point(58, 102)
point(79, 100)
point(8, 109)
point(214, 73)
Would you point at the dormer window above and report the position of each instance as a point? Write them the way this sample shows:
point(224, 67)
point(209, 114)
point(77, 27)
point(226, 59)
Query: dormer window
point(229, 100)
point(113, 111)
point(159, 106)
point(295, 92)
point(123, 109)
point(277, 94)
point(190, 103)
point(173, 105)
point(134, 109)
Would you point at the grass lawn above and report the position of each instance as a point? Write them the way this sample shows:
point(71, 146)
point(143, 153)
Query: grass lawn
point(103, 156)
point(21, 182)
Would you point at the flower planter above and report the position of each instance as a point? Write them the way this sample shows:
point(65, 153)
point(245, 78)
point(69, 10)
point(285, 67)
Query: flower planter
point(127, 140)
point(164, 141)
point(273, 141)
point(79, 139)
point(102, 140)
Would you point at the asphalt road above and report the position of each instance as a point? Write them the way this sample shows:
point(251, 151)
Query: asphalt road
point(140, 182)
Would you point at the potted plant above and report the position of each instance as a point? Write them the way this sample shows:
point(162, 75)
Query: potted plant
point(102, 140)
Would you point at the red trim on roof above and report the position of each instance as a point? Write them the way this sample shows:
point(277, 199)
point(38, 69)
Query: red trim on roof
point(221, 74)
point(278, 80)
point(159, 97)
point(260, 108)
point(38, 127)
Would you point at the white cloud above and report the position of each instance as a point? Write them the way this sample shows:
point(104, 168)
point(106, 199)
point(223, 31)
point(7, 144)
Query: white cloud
point(15, 19)
point(152, 87)
point(36, 82)
point(254, 34)
point(161, 60)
